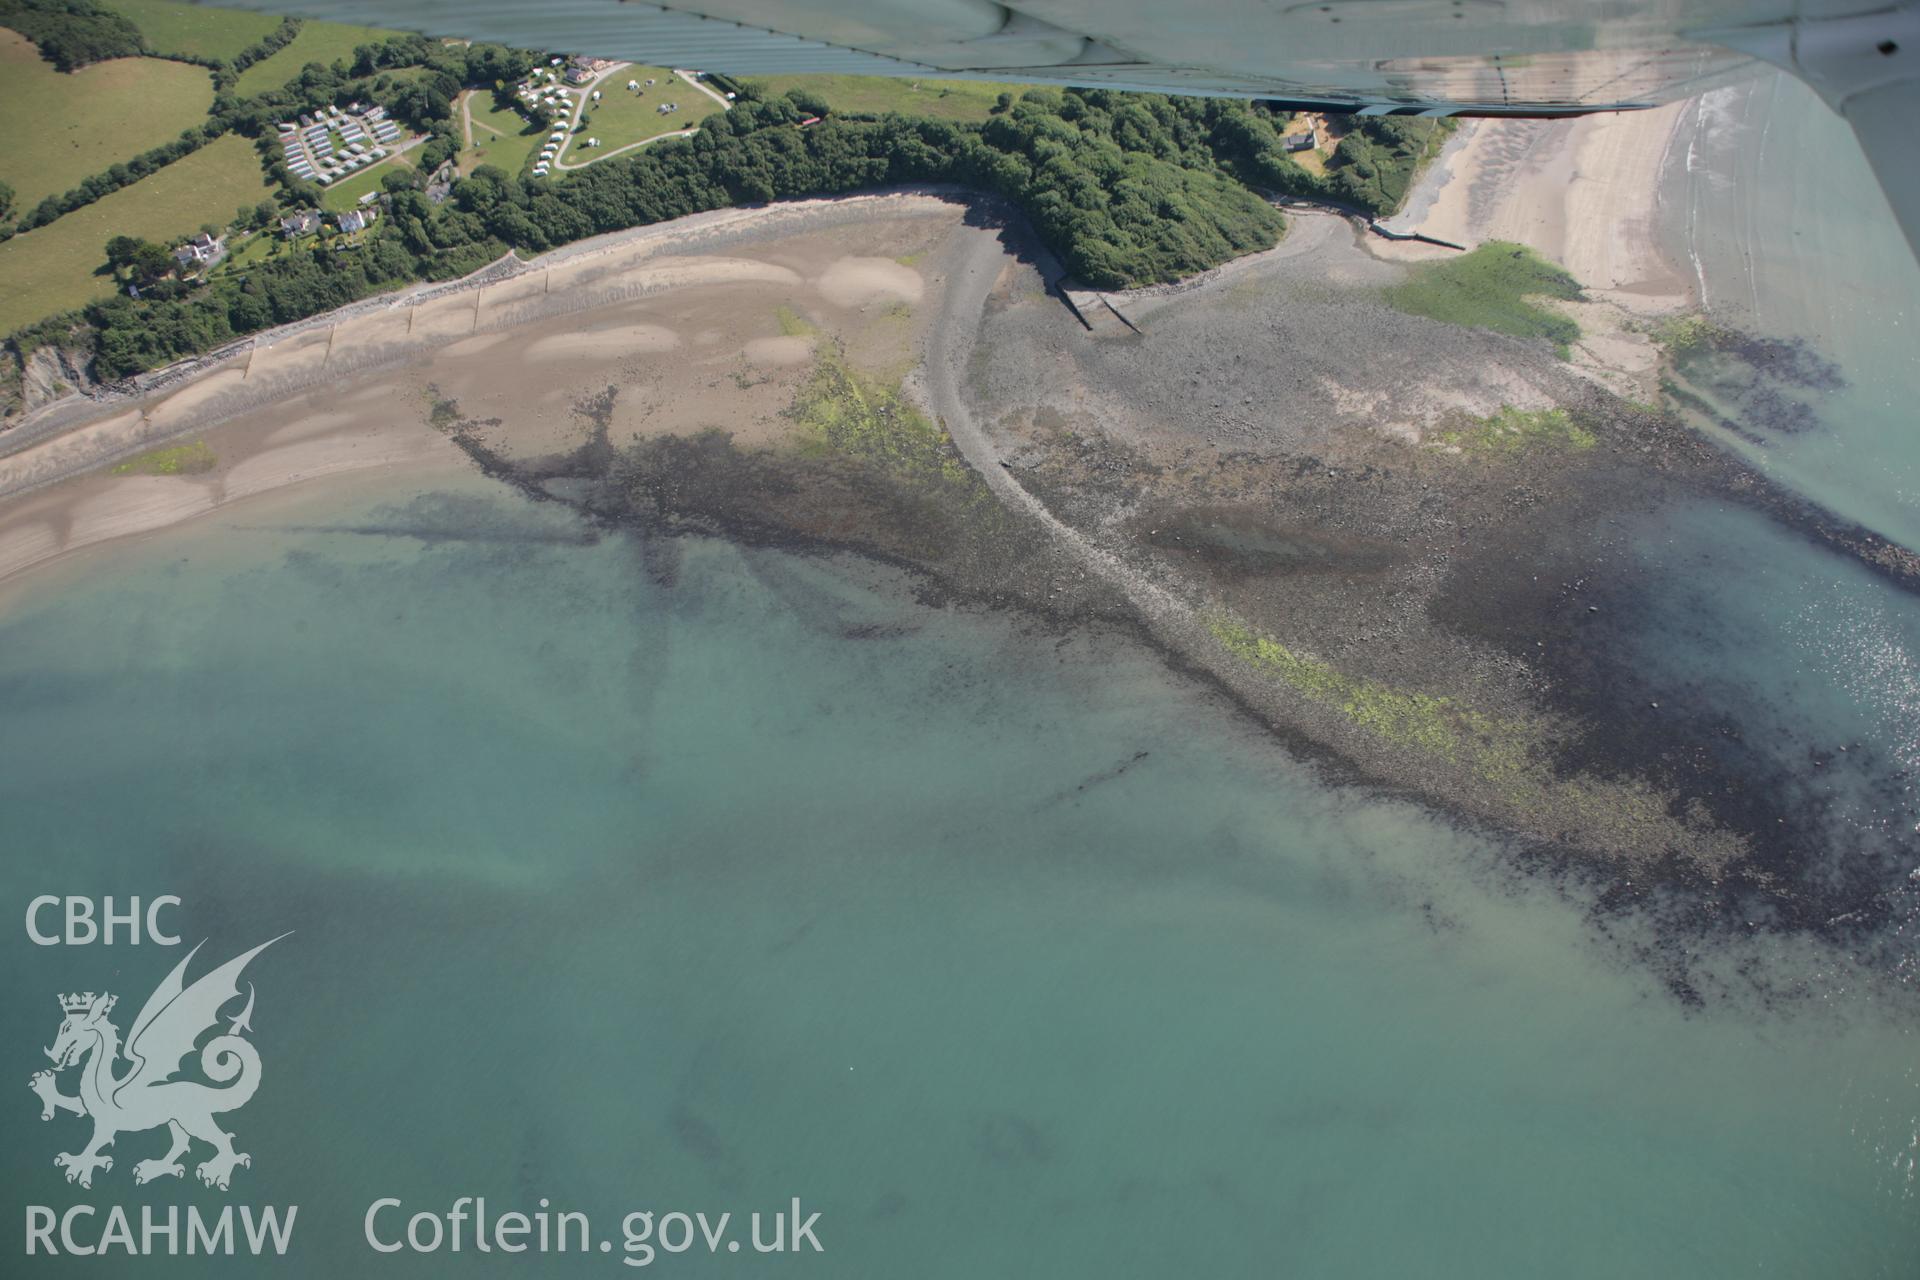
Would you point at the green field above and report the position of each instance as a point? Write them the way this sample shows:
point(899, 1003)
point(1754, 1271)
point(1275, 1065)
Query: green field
point(622, 117)
point(876, 95)
point(194, 30)
point(503, 139)
point(62, 128)
point(322, 42)
point(256, 248)
point(62, 265)
point(346, 193)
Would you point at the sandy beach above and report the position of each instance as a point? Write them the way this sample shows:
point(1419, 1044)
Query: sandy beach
point(667, 313)
point(1582, 192)
point(663, 307)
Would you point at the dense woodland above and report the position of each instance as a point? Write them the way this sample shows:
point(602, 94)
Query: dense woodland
point(1127, 189)
point(72, 33)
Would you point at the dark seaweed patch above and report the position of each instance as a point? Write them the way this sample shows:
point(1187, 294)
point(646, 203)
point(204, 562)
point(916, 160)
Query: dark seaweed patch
point(1238, 542)
point(1759, 388)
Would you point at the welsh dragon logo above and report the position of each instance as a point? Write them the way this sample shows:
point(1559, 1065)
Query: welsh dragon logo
point(147, 1096)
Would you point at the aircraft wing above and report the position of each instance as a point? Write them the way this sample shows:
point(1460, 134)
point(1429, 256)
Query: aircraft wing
point(1439, 57)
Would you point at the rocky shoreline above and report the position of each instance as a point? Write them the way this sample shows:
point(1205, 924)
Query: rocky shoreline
point(1432, 619)
point(1403, 547)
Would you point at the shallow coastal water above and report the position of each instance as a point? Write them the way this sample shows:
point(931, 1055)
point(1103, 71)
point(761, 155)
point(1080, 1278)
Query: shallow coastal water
point(1770, 206)
point(1812, 662)
point(681, 877)
point(1774, 213)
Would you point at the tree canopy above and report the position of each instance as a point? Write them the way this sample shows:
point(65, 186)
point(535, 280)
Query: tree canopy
point(72, 33)
point(1128, 189)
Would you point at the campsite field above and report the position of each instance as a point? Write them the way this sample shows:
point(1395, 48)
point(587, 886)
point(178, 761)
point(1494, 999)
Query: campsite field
point(194, 30)
point(63, 128)
point(623, 116)
point(861, 95)
point(346, 193)
point(321, 42)
point(503, 139)
point(61, 266)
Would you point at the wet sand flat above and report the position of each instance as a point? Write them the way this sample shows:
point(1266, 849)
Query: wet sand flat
point(686, 337)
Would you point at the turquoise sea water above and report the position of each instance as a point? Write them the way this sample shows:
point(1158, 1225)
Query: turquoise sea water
point(1813, 659)
point(690, 878)
point(680, 877)
point(1770, 204)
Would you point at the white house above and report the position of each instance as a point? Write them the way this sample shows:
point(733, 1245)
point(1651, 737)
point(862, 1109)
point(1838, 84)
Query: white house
point(203, 248)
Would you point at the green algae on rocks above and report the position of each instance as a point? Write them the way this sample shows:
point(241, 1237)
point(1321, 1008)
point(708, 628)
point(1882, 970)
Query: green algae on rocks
point(1497, 287)
point(1507, 761)
point(176, 460)
point(1513, 431)
point(843, 410)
